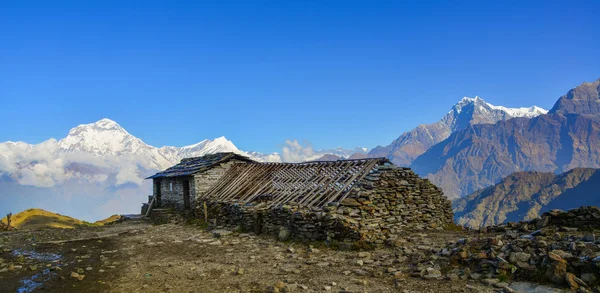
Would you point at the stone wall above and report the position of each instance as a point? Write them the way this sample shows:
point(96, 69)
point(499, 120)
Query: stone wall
point(587, 217)
point(583, 218)
point(171, 190)
point(392, 199)
point(560, 247)
point(300, 223)
point(388, 200)
point(205, 180)
point(199, 183)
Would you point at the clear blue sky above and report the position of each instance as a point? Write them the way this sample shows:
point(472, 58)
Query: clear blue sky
point(334, 73)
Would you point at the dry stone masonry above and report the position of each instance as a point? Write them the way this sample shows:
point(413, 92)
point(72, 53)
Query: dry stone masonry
point(560, 247)
point(387, 200)
point(178, 187)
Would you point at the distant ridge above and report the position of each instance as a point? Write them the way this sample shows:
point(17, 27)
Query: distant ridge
point(480, 155)
point(35, 219)
point(468, 111)
point(526, 195)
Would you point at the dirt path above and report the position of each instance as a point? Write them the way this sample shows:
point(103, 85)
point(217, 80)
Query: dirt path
point(137, 257)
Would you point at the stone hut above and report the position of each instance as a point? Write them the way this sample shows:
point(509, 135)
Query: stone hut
point(178, 186)
point(368, 200)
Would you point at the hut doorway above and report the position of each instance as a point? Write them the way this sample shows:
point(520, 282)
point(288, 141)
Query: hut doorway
point(186, 194)
point(158, 191)
point(258, 223)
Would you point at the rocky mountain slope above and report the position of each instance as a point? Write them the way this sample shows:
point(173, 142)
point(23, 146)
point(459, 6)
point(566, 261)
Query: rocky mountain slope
point(526, 195)
point(482, 154)
point(468, 111)
point(582, 100)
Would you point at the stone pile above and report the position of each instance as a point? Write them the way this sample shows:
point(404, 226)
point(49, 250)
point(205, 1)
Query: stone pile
point(561, 254)
point(583, 218)
point(389, 200)
point(586, 218)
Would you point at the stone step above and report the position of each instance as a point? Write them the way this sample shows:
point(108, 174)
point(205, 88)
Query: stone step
point(136, 218)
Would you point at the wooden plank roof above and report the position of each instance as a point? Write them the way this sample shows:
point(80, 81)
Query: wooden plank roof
point(308, 184)
point(189, 166)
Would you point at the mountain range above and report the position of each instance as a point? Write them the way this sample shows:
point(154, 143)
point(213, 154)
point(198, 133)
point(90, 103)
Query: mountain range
point(102, 166)
point(526, 195)
point(469, 111)
point(92, 147)
point(480, 155)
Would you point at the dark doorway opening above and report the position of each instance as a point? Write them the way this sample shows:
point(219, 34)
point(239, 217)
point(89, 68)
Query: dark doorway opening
point(186, 194)
point(158, 195)
point(258, 223)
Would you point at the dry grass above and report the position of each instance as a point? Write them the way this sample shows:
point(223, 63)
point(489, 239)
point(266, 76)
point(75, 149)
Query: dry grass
point(34, 219)
point(108, 220)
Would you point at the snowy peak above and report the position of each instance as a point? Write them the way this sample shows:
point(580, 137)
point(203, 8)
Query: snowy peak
point(108, 124)
point(105, 155)
point(207, 146)
point(468, 111)
point(104, 124)
point(477, 104)
point(530, 112)
point(219, 142)
point(104, 137)
point(107, 138)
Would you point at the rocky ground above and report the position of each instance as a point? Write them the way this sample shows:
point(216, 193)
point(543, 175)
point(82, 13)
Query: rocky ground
point(135, 256)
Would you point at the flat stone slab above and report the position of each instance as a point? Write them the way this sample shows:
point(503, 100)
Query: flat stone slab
point(221, 233)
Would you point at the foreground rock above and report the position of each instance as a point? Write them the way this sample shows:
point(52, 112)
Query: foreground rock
point(550, 249)
point(186, 258)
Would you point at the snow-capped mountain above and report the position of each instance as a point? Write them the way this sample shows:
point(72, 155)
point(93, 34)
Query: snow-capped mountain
point(468, 111)
point(104, 137)
point(99, 151)
point(207, 146)
point(101, 166)
point(106, 146)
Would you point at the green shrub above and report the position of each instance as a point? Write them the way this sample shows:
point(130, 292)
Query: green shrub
point(453, 227)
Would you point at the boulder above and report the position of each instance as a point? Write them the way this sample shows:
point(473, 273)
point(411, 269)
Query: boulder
point(284, 234)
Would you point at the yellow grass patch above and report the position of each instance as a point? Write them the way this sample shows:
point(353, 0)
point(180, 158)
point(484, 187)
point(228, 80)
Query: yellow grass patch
point(33, 219)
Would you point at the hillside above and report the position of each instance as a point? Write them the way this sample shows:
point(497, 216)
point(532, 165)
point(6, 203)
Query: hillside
point(34, 219)
point(185, 258)
point(526, 195)
point(481, 155)
point(468, 111)
point(108, 220)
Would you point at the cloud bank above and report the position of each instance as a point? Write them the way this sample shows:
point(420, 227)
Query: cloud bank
point(45, 165)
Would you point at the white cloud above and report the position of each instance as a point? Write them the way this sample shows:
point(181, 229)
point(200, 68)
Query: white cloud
point(128, 173)
point(294, 152)
point(275, 158)
point(44, 165)
point(124, 201)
